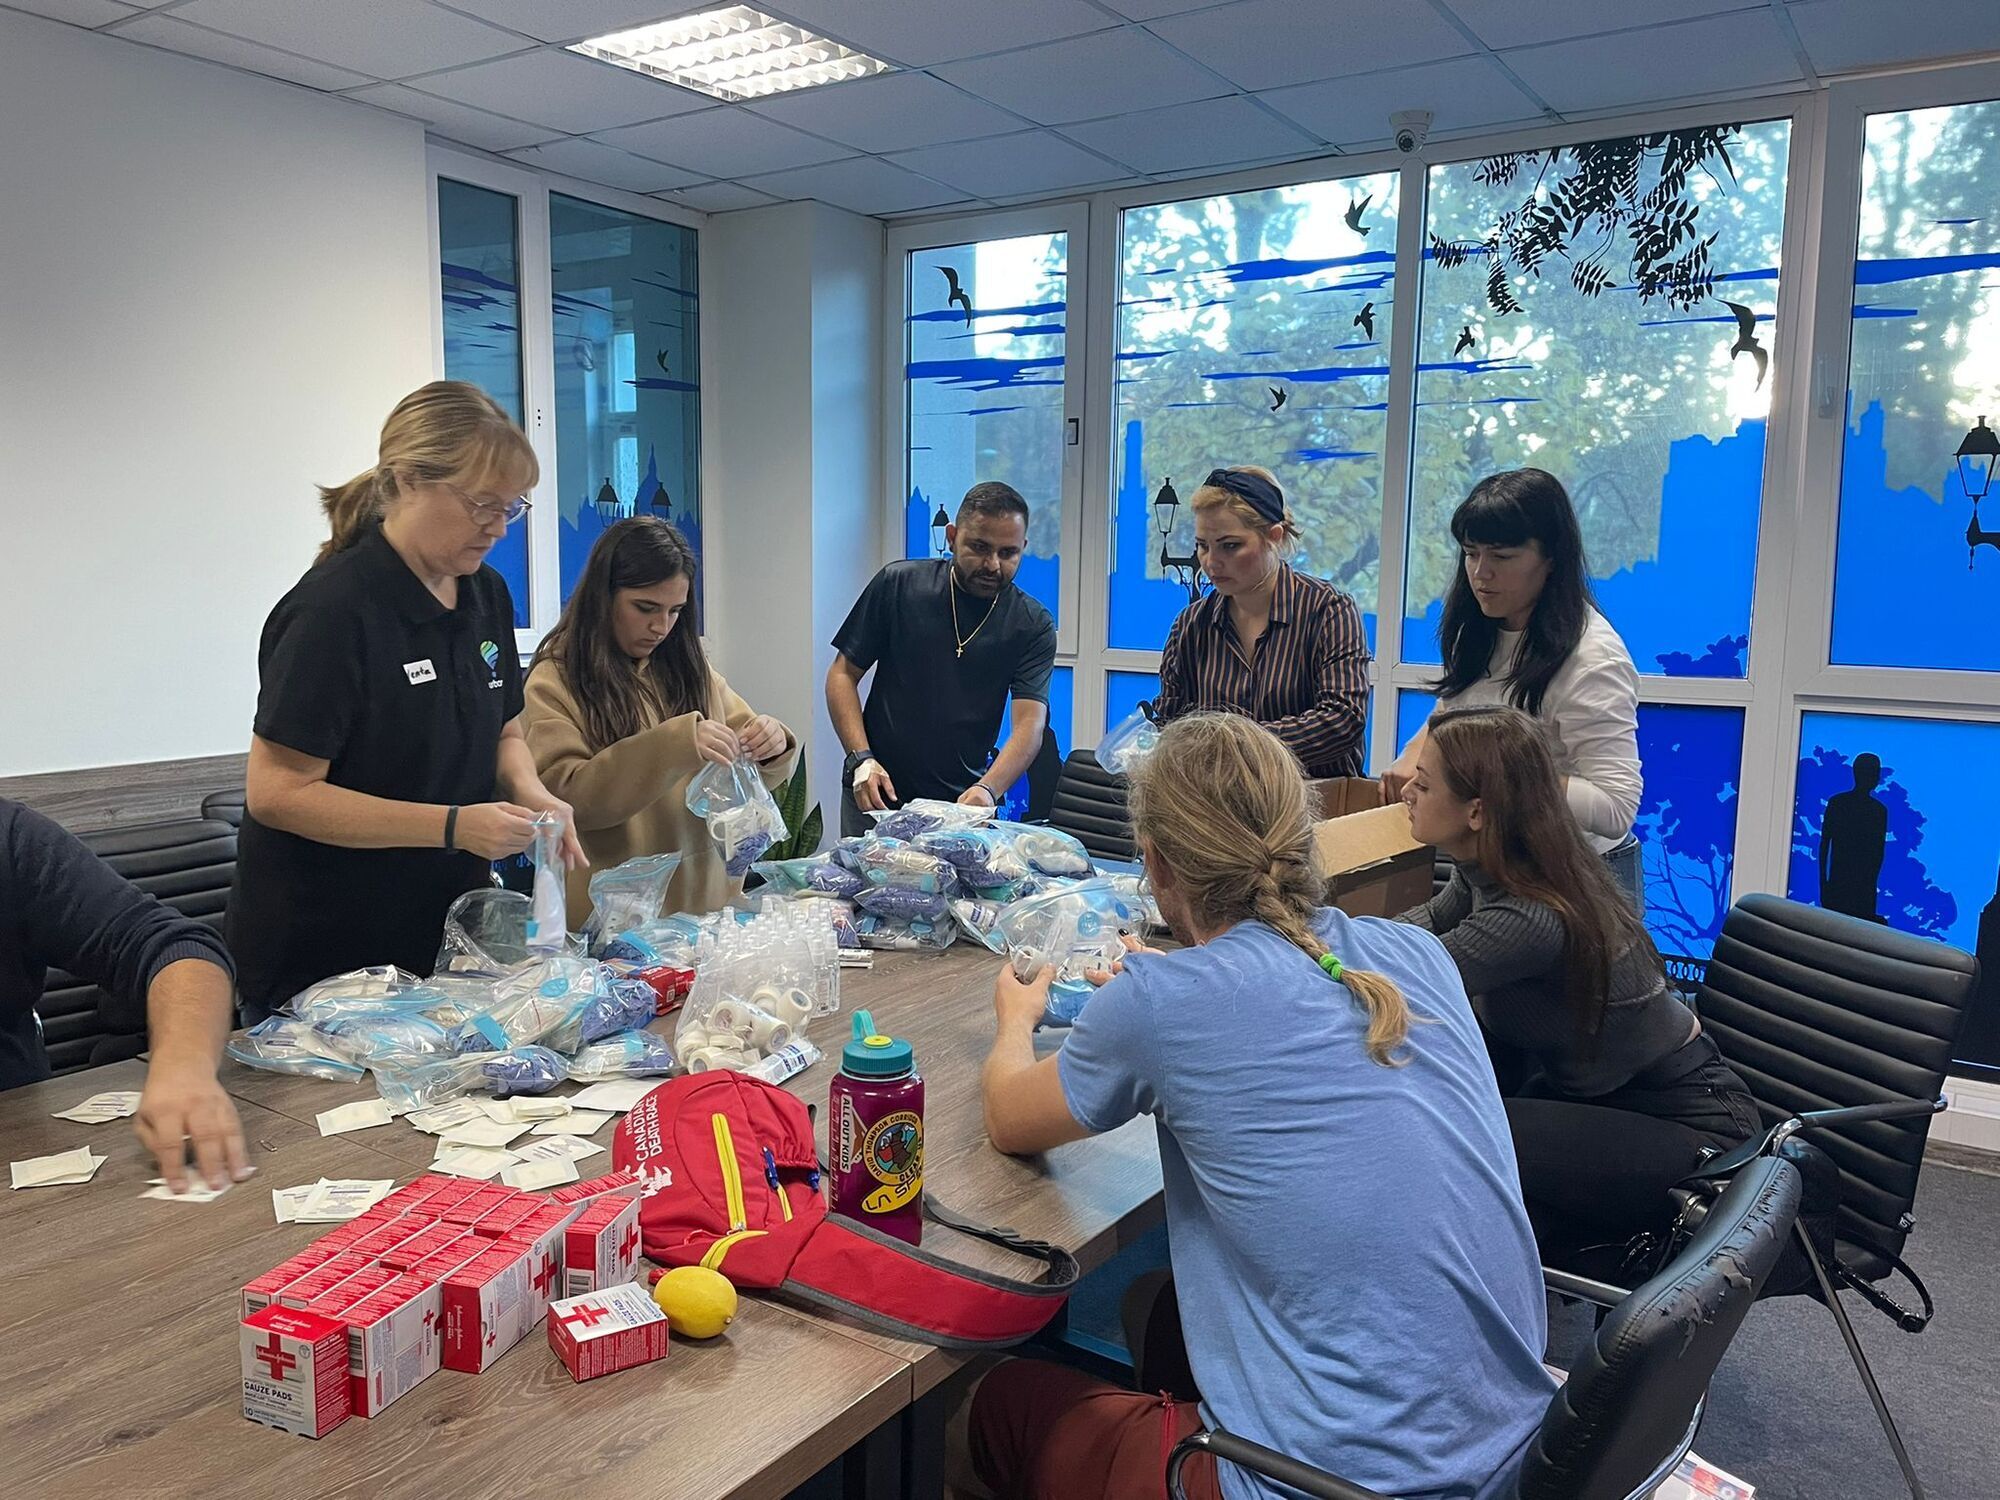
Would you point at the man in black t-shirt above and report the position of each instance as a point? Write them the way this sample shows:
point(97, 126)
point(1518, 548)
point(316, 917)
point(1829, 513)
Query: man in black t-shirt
point(950, 639)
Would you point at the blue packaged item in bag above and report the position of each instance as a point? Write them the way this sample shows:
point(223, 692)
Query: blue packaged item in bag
point(620, 1005)
point(382, 1038)
point(282, 1044)
point(904, 903)
point(627, 1054)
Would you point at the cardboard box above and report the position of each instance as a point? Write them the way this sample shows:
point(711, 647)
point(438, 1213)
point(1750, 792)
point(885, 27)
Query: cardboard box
point(601, 1246)
point(393, 1342)
point(295, 1371)
point(489, 1304)
point(603, 1332)
point(1373, 867)
point(262, 1292)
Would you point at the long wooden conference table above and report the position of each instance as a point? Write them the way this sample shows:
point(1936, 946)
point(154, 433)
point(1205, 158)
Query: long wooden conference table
point(119, 1365)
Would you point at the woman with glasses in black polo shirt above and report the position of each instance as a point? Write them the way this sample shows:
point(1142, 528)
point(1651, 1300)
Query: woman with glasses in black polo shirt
point(1270, 643)
point(388, 769)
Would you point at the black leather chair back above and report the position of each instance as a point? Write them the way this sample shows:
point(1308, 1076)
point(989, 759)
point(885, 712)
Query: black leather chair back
point(1090, 806)
point(189, 864)
point(1631, 1397)
point(224, 807)
point(1816, 1010)
point(1044, 772)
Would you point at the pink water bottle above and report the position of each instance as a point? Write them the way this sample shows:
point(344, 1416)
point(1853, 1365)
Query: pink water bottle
point(875, 1133)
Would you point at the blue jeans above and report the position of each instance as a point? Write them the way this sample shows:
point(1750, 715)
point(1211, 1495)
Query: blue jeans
point(1628, 871)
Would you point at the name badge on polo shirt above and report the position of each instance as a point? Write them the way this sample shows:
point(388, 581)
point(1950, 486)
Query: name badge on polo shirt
point(420, 671)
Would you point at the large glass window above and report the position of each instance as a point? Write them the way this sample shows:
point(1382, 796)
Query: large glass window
point(479, 267)
point(1605, 311)
point(1892, 823)
point(1252, 328)
point(983, 377)
point(625, 320)
point(1925, 373)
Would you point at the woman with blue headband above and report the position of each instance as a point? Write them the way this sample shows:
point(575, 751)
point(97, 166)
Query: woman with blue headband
point(1271, 643)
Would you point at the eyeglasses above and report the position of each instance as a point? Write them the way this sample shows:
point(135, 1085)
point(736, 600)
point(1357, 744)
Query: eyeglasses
point(485, 512)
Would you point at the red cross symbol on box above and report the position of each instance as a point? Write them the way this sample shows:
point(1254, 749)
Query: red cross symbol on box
point(544, 1274)
point(630, 1243)
point(492, 1335)
point(429, 1319)
point(277, 1357)
point(589, 1315)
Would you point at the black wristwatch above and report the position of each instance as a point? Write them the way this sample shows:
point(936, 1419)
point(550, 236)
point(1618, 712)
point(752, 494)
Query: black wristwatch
point(853, 763)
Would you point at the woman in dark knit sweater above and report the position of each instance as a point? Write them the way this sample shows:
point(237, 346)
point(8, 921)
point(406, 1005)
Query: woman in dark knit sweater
point(1614, 1091)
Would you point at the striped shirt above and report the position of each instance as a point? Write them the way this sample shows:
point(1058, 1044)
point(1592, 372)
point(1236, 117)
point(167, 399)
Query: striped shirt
point(1305, 680)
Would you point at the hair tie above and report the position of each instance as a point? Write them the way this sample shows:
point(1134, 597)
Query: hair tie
point(1333, 966)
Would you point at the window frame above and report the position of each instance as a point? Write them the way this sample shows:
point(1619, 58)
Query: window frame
point(530, 189)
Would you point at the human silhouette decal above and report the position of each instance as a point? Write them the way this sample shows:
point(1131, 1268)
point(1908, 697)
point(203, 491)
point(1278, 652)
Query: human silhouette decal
point(1853, 833)
point(1980, 1040)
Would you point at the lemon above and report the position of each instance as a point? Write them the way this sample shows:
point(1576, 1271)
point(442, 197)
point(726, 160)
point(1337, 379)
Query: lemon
point(699, 1303)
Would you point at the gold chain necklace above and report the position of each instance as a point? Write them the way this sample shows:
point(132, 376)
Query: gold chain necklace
point(966, 640)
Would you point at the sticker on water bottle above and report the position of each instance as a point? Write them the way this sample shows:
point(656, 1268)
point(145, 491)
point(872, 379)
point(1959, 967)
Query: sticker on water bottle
point(893, 1152)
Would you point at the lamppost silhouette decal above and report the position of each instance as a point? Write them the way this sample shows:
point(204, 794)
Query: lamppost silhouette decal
point(938, 524)
point(1186, 571)
point(1976, 454)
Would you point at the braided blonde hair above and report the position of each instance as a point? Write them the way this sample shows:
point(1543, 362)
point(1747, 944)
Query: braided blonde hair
point(1224, 805)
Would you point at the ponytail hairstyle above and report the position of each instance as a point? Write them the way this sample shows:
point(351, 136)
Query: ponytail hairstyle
point(1510, 509)
point(1529, 845)
point(1224, 806)
point(617, 702)
point(1222, 497)
point(445, 431)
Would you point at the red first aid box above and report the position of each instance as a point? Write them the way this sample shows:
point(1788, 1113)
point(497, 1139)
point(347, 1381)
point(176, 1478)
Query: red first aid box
point(601, 1245)
point(670, 986)
point(317, 1283)
point(502, 1220)
point(260, 1293)
point(427, 1242)
point(489, 1304)
point(295, 1371)
point(476, 1206)
point(621, 1182)
point(393, 1342)
point(603, 1332)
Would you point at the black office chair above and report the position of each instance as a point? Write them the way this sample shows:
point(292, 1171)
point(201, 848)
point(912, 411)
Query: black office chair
point(1842, 1028)
point(1044, 772)
point(1629, 1411)
point(1089, 805)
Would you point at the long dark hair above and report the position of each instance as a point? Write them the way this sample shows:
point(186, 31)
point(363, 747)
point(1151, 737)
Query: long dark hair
point(1528, 842)
point(616, 701)
point(1510, 509)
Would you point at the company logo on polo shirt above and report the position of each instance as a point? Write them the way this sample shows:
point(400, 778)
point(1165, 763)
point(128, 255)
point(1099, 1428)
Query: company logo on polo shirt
point(490, 654)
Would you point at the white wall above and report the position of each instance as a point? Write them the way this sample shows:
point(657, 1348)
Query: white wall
point(793, 324)
point(212, 290)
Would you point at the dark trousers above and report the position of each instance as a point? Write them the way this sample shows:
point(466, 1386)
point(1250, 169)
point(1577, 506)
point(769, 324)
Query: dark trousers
point(1598, 1171)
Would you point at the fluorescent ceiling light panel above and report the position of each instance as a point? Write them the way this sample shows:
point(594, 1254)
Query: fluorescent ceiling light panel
point(735, 53)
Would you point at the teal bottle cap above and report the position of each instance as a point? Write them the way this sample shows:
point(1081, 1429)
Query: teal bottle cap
point(873, 1055)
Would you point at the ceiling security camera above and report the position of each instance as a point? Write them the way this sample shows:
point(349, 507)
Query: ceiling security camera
point(1412, 127)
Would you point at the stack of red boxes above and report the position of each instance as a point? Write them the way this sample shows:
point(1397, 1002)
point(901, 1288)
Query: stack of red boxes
point(601, 1246)
point(445, 1272)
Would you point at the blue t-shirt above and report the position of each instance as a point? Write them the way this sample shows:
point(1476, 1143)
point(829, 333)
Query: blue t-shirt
point(1358, 1282)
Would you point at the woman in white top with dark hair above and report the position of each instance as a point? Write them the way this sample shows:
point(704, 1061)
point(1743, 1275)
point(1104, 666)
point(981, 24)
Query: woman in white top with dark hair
point(1521, 629)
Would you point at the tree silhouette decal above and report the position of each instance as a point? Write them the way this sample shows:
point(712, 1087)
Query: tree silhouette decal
point(1584, 206)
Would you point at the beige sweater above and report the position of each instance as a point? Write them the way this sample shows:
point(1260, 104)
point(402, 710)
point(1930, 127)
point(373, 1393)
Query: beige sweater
point(631, 797)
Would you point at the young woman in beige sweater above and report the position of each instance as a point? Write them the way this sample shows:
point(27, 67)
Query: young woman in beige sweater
point(623, 710)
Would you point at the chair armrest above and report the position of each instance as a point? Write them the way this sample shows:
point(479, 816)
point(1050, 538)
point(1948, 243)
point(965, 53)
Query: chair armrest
point(1228, 1448)
point(1732, 1161)
point(1583, 1289)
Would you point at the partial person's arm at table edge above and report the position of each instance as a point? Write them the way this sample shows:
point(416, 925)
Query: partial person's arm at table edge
point(1025, 1108)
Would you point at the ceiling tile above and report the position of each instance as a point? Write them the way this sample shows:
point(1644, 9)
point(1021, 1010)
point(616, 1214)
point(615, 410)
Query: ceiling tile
point(1032, 161)
point(1086, 78)
point(178, 36)
point(1266, 44)
point(719, 197)
point(1844, 35)
point(1718, 55)
point(384, 38)
point(458, 122)
point(1525, 23)
point(1152, 10)
point(596, 163)
point(1209, 134)
point(863, 185)
point(1463, 94)
point(727, 142)
point(76, 12)
point(563, 91)
point(889, 112)
point(572, 20)
point(918, 33)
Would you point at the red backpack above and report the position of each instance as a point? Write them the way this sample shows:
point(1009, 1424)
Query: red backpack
point(732, 1181)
